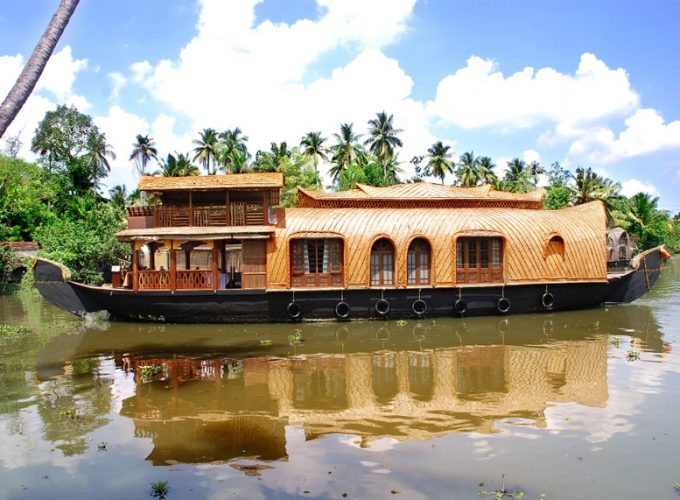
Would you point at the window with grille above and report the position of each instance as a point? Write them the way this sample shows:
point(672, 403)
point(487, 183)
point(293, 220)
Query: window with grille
point(316, 262)
point(418, 263)
point(382, 263)
point(479, 260)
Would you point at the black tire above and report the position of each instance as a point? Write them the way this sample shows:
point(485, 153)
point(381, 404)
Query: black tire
point(294, 310)
point(419, 307)
point(460, 307)
point(342, 310)
point(503, 305)
point(382, 307)
point(548, 300)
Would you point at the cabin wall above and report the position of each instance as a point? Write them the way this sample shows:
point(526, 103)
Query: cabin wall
point(526, 233)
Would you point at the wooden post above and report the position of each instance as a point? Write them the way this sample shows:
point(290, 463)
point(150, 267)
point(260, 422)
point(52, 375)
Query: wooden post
point(265, 207)
point(173, 266)
point(223, 250)
point(135, 266)
point(228, 209)
point(215, 259)
point(191, 210)
point(187, 259)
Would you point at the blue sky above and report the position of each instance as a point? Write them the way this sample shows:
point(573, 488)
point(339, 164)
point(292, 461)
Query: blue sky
point(589, 83)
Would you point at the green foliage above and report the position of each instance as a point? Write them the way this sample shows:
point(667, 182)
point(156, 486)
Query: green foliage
point(297, 171)
point(8, 261)
point(557, 197)
point(69, 142)
point(159, 489)
point(83, 238)
point(27, 198)
point(150, 372)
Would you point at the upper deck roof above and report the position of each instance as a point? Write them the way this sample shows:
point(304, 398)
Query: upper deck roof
point(422, 193)
point(266, 180)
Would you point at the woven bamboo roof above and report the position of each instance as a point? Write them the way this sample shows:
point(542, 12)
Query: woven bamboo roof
point(420, 193)
point(220, 181)
point(526, 234)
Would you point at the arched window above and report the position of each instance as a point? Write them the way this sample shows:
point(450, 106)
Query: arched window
point(555, 246)
point(418, 262)
point(382, 263)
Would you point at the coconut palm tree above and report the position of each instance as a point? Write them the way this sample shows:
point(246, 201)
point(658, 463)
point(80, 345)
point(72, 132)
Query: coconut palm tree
point(97, 158)
point(588, 186)
point(232, 150)
point(439, 160)
point(313, 148)
point(345, 150)
point(118, 196)
point(177, 165)
point(468, 169)
point(518, 178)
point(143, 150)
point(30, 75)
point(486, 167)
point(382, 139)
point(206, 149)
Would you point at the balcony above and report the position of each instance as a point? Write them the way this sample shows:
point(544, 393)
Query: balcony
point(238, 213)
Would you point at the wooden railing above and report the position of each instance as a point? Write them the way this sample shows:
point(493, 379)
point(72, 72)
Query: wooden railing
point(194, 280)
point(239, 213)
point(154, 280)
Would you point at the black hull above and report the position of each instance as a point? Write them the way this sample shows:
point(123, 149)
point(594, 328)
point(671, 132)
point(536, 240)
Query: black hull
point(248, 306)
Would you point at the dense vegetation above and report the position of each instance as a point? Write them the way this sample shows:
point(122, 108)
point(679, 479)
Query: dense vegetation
point(58, 202)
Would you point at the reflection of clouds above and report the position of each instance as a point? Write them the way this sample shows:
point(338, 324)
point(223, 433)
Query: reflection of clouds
point(376, 445)
point(481, 446)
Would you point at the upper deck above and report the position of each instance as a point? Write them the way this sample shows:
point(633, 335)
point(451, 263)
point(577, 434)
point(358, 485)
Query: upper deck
point(208, 201)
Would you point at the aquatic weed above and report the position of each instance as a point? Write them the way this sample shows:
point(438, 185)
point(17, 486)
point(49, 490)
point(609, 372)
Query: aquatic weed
point(616, 342)
point(159, 489)
point(295, 337)
point(402, 322)
point(149, 372)
point(503, 492)
point(633, 355)
point(12, 331)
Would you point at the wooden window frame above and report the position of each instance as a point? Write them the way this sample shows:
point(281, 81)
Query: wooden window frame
point(421, 249)
point(478, 262)
point(382, 253)
point(300, 278)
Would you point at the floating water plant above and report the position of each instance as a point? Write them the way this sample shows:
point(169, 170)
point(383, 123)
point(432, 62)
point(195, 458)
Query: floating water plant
point(503, 492)
point(633, 355)
point(149, 372)
point(159, 489)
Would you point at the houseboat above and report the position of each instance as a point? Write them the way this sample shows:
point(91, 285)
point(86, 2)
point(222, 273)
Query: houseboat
point(219, 249)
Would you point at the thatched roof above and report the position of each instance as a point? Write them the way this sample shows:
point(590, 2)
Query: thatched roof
point(526, 234)
point(220, 181)
point(420, 194)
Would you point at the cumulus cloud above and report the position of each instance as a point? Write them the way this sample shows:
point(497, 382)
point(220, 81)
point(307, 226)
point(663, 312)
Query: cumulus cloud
point(54, 87)
point(59, 76)
point(118, 81)
point(479, 95)
point(634, 186)
point(235, 72)
point(645, 132)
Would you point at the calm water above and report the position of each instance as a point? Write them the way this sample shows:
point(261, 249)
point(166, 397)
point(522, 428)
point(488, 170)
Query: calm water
point(570, 405)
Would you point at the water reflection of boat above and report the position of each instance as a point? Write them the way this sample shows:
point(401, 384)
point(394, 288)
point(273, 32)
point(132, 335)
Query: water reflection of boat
point(215, 251)
point(404, 395)
point(212, 397)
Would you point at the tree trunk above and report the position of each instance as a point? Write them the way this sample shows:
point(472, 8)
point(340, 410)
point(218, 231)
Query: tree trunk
point(36, 64)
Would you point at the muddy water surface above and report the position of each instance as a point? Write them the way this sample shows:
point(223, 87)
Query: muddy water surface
point(569, 405)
